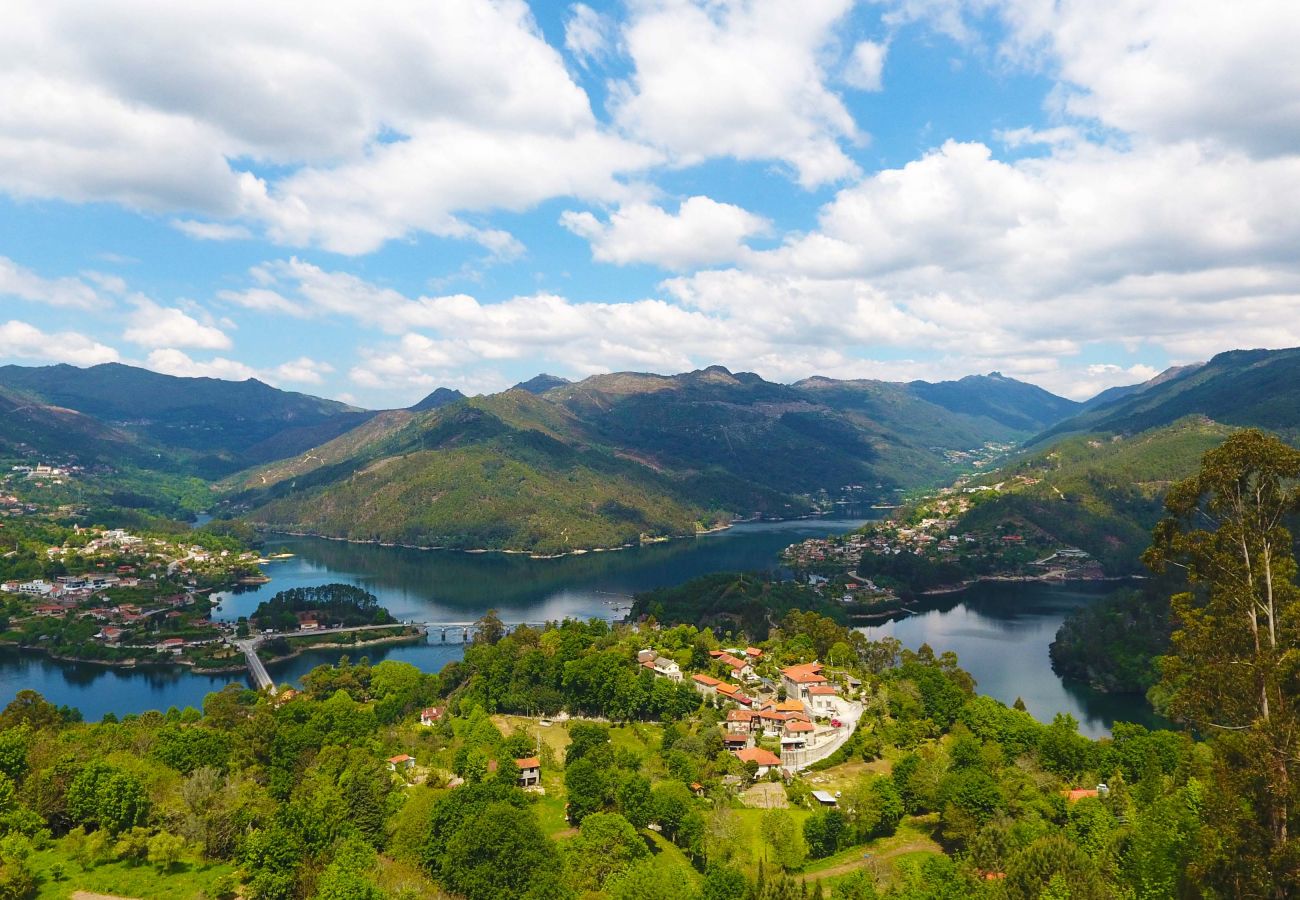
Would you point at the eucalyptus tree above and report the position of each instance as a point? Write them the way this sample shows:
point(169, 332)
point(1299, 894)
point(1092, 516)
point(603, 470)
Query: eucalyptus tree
point(1234, 665)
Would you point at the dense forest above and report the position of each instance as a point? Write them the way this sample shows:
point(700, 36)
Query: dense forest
point(329, 605)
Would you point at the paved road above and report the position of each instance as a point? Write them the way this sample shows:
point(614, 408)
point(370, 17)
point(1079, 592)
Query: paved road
point(255, 664)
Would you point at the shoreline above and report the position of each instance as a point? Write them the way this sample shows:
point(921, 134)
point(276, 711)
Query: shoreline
point(531, 554)
point(1020, 579)
point(141, 663)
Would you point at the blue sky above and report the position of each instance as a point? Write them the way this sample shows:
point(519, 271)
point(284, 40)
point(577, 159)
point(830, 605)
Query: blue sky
point(470, 192)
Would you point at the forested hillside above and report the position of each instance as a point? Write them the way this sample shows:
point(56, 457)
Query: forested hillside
point(603, 462)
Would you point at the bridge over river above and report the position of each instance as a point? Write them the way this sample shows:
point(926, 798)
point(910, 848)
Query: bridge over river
point(460, 633)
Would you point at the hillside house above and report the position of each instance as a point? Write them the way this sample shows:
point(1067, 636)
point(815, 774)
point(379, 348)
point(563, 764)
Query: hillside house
point(743, 720)
point(732, 693)
point(430, 716)
point(735, 740)
point(706, 684)
point(530, 772)
point(798, 679)
point(401, 762)
point(664, 667)
point(766, 759)
point(823, 700)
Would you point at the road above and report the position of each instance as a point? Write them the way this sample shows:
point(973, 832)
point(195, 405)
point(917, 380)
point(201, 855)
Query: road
point(255, 664)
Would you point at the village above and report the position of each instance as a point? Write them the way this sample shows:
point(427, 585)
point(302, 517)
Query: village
point(123, 593)
point(898, 555)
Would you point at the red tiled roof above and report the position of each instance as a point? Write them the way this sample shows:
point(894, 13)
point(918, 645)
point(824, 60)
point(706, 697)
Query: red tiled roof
point(797, 725)
point(822, 690)
point(529, 762)
point(758, 755)
point(707, 680)
point(804, 674)
point(399, 758)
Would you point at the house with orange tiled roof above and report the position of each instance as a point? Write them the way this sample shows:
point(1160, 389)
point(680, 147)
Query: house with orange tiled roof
point(823, 699)
point(743, 720)
point(798, 679)
point(706, 684)
point(765, 759)
point(530, 771)
point(796, 734)
point(731, 692)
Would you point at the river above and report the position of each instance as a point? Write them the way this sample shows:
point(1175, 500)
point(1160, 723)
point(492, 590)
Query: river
point(1000, 632)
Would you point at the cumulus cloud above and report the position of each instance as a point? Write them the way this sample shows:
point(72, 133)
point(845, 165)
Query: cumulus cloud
point(70, 292)
point(703, 232)
point(171, 361)
point(303, 370)
point(1171, 70)
point(21, 340)
point(739, 79)
point(152, 325)
point(866, 65)
point(376, 123)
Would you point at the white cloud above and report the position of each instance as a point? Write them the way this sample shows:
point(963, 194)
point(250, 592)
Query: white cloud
point(74, 293)
point(152, 325)
point(303, 370)
point(866, 65)
point(702, 232)
point(1172, 70)
point(740, 79)
point(376, 123)
point(211, 231)
point(171, 361)
point(20, 340)
point(588, 35)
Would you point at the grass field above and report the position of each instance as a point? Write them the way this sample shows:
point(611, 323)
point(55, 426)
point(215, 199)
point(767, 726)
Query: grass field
point(191, 880)
point(881, 857)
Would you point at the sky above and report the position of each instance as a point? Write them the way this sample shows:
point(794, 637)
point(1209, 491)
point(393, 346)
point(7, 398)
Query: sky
point(369, 201)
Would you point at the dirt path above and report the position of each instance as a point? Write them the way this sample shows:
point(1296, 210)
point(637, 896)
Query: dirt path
point(86, 895)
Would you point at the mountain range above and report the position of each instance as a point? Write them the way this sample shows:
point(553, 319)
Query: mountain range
point(552, 465)
point(545, 466)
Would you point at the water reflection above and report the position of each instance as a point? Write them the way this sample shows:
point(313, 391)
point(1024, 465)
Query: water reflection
point(1001, 632)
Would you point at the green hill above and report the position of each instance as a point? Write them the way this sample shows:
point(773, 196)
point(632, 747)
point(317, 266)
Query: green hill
point(1245, 388)
point(216, 426)
point(488, 473)
point(1101, 493)
point(608, 459)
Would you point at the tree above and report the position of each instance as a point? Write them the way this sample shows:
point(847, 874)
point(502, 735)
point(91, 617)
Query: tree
point(606, 845)
point(1233, 667)
point(165, 850)
point(489, 629)
point(784, 838)
point(651, 879)
point(499, 852)
point(585, 786)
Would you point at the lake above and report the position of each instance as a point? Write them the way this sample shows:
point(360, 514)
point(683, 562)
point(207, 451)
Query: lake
point(1000, 632)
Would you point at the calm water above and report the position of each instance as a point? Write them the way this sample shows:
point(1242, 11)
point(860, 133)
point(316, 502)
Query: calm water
point(1000, 633)
point(425, 586)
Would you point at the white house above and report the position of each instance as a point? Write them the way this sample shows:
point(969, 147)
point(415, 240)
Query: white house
point(530, 772)
point(666, 668)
